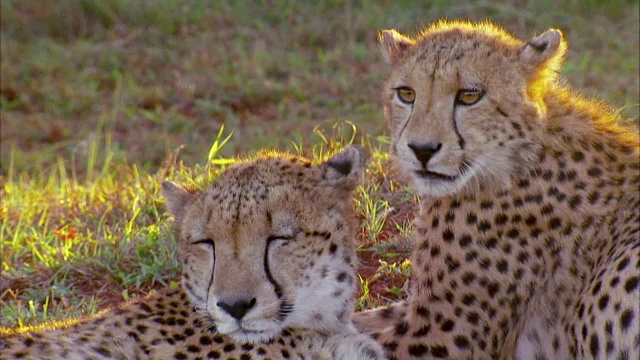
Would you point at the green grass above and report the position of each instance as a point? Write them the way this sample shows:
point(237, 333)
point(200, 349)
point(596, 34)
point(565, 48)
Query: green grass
point(68, 243)
point(167, 73)
point(73, 245)
point(101, 100)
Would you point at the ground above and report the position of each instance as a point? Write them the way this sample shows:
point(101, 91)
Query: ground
point(96, 98)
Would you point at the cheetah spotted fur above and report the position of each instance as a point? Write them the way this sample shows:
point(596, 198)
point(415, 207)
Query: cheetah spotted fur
point(527, 243)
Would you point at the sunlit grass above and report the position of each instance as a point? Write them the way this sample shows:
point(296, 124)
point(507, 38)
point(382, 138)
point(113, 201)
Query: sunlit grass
point(374, 210)
point(73, 245)
point(364, 300)
point(64, 237)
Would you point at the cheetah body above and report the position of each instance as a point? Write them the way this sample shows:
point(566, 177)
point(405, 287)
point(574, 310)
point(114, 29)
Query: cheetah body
point(159, 327)
point(267, 253)
point(527, 242)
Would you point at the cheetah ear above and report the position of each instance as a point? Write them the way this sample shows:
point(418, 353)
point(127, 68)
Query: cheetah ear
point(176, 197)
point(546, 50)
point(345, 167)
point(393, 45)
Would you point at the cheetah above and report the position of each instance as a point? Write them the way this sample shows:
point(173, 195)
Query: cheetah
point(268, 272)
point(527, 241)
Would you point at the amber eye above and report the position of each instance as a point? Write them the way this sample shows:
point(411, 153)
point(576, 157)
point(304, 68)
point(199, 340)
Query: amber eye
point(406, 95)
point(468, 97)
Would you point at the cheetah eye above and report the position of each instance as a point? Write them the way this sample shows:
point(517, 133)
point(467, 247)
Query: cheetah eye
point(468, 97)
point(279, 240)
point(206, 241)
point(406, 95)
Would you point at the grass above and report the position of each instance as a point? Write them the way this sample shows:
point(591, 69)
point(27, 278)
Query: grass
point(73, 245)
point(101, 100)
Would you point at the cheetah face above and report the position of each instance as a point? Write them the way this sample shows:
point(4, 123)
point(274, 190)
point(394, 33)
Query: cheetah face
point(269, 245)
point(464, 109)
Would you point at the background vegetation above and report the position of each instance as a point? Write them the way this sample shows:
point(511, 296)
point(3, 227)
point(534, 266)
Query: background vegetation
point(97, 96)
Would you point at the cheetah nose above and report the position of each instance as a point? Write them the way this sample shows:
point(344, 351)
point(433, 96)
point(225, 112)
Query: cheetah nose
point(237, 309)
point(424, 151)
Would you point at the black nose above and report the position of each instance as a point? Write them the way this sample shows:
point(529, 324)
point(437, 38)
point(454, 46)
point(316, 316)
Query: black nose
point(238, 309)
point(424, 151)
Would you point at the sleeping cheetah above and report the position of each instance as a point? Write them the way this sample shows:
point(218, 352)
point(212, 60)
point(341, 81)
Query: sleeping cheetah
point(527, 244)
point(267, 253)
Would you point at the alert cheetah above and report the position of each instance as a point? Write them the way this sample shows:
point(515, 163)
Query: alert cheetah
point(527, 243)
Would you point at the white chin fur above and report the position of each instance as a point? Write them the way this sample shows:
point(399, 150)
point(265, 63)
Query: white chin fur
point(252, 337)
point(247, 336)
point(436, 188)
point(473, 180)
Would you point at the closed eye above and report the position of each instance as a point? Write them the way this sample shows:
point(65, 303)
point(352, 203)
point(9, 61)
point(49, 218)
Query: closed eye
point(206, 241)
point(284, 238)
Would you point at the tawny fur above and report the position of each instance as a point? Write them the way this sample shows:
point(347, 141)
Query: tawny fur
point(527, 243)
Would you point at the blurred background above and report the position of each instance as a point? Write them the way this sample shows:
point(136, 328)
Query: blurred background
point(143, 77)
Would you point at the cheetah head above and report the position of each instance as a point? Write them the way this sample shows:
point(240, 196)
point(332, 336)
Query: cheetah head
point(270, 244)
point(464, 103)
